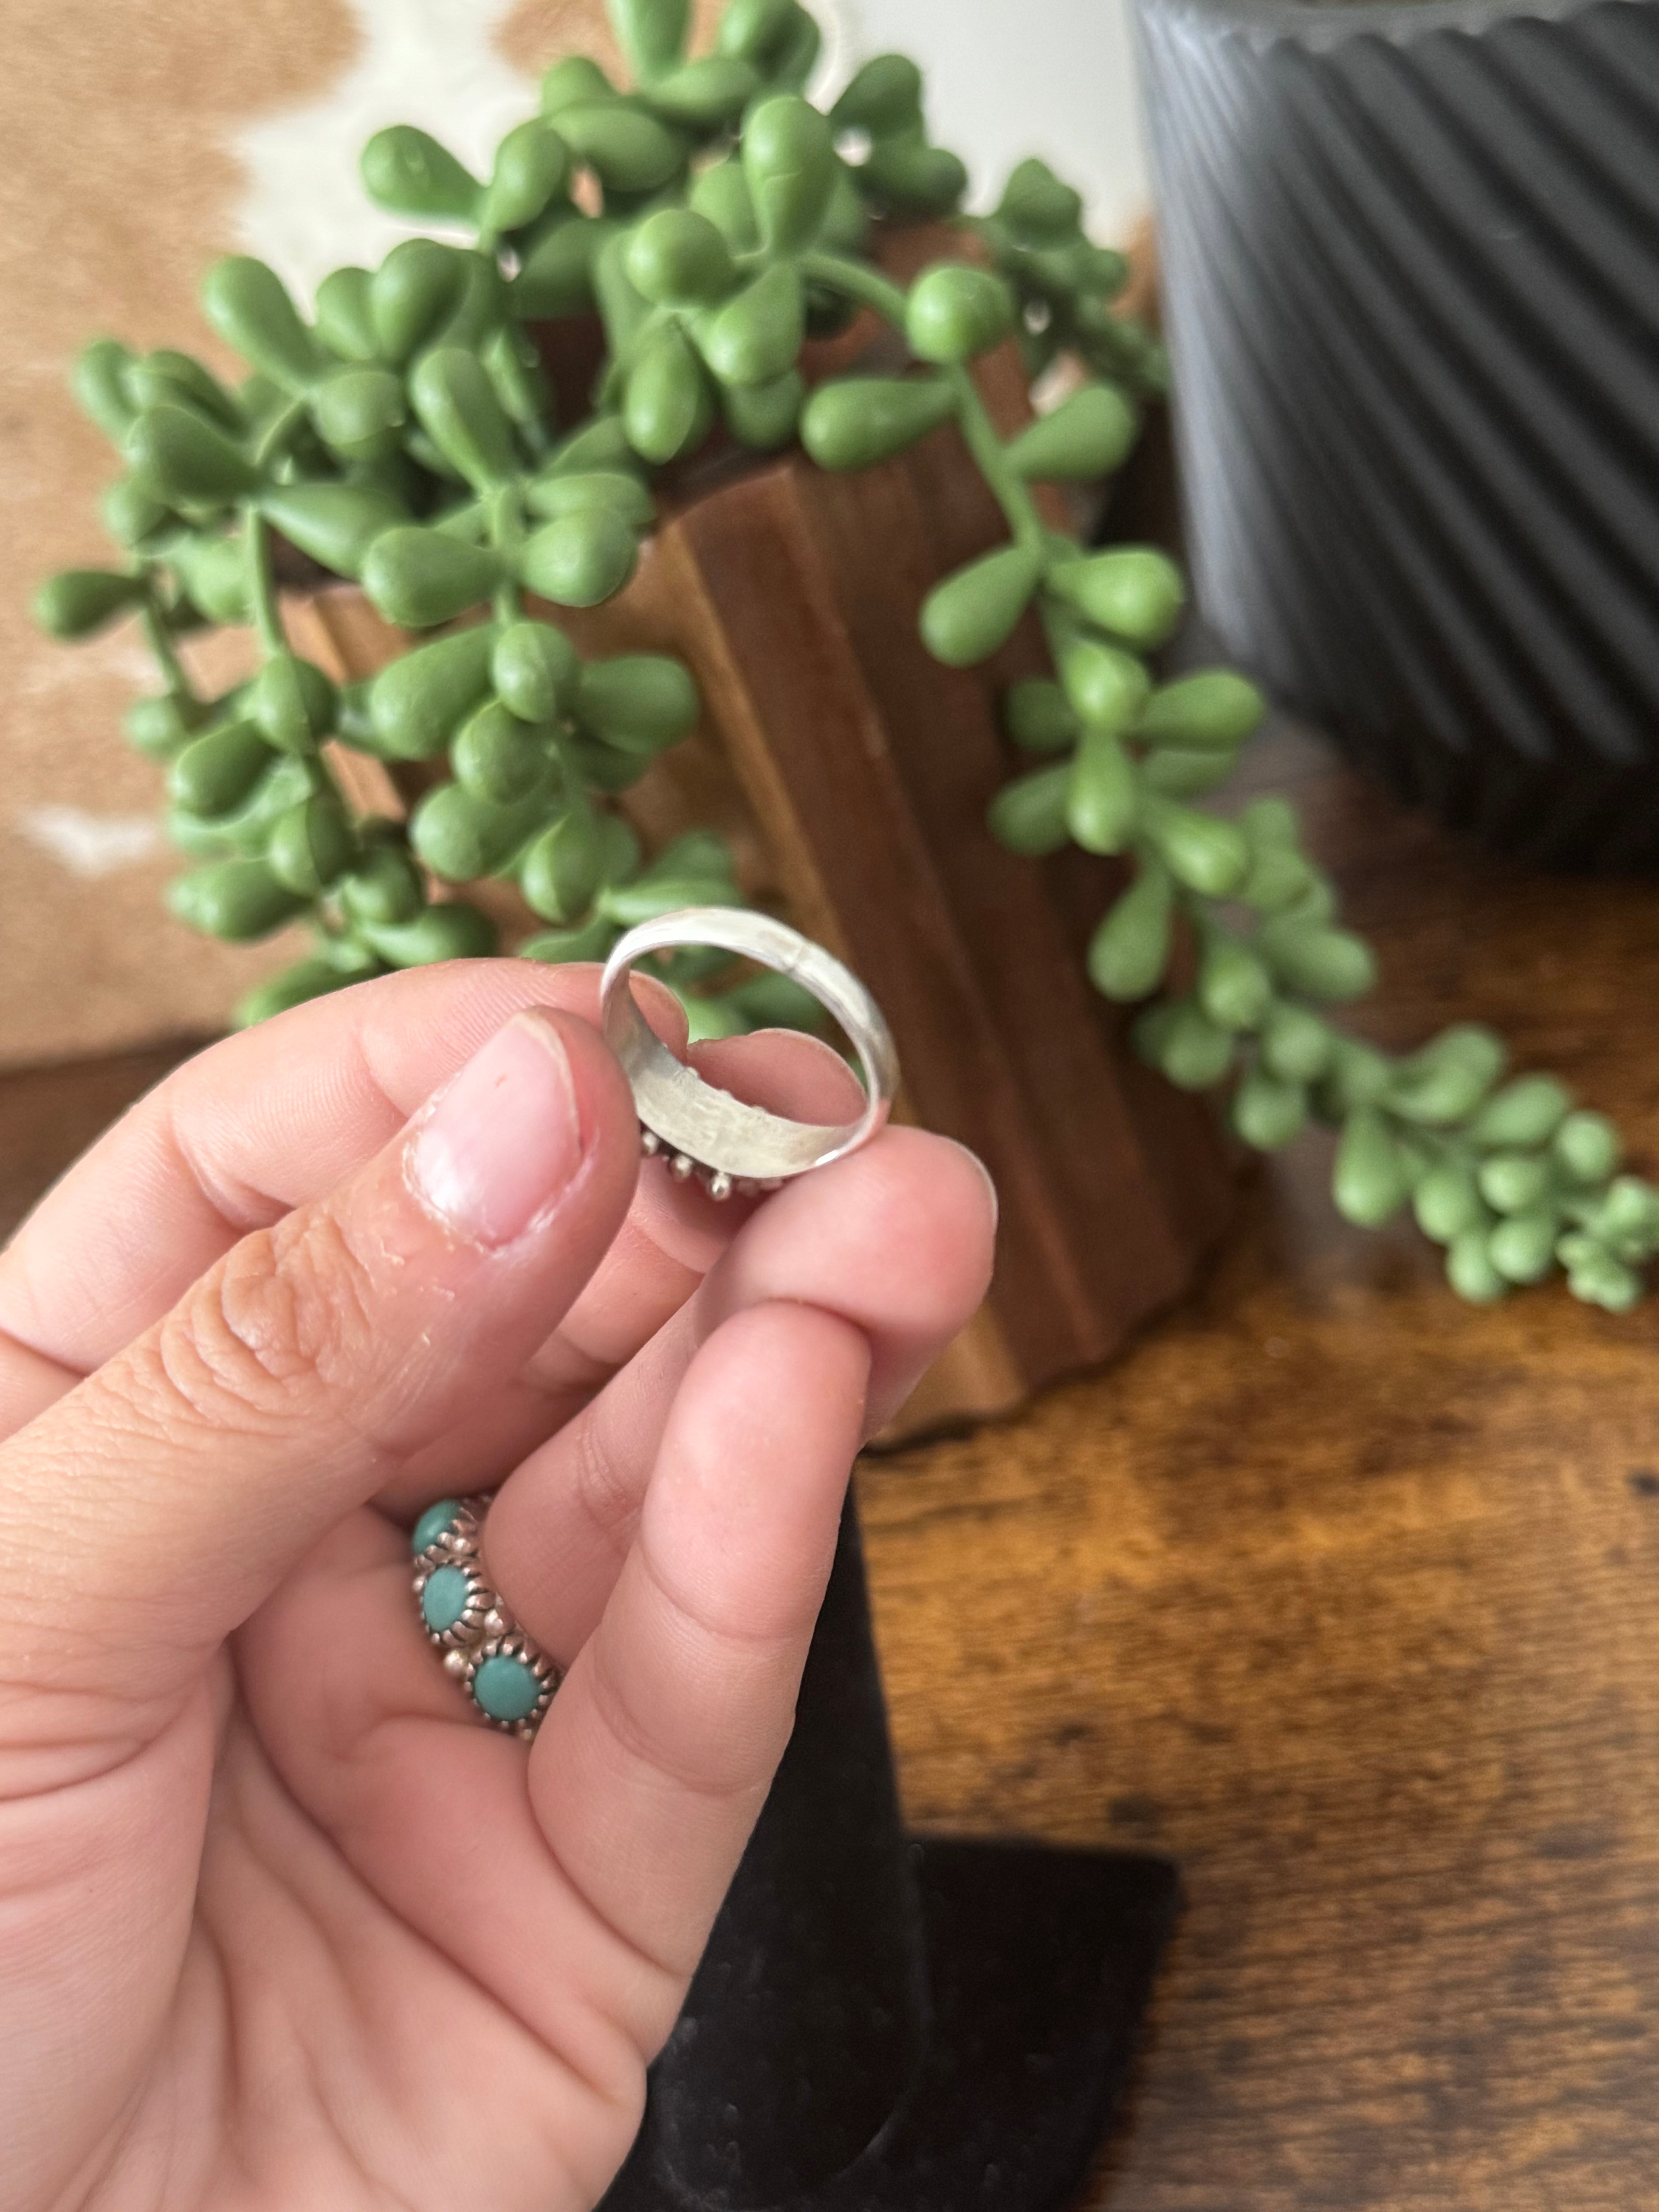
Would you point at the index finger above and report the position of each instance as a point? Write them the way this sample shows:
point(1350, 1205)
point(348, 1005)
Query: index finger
point(237, 1138)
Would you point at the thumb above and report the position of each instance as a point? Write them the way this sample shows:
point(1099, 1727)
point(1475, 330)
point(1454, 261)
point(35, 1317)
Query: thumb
point(145, 1515)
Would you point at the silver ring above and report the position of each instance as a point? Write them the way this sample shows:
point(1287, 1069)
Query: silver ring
point(509, 1679)
point(703, 1130)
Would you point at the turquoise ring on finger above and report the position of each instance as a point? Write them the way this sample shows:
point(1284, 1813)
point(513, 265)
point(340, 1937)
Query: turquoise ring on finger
point(509, 1679)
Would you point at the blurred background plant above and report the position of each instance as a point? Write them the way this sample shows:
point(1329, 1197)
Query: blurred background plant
point(405, 438)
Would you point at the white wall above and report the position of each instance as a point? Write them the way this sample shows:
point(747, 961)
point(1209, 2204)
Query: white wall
point(1005, 78)
point(1012, 77)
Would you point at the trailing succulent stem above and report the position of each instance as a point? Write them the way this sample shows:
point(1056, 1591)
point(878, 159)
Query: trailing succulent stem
point(404, 438)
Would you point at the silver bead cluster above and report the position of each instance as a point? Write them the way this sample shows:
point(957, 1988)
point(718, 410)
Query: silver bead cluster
point(485, 1629)
point(716, 1180)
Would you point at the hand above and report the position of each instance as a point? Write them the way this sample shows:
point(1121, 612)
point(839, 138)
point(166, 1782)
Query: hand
point(281, 1923)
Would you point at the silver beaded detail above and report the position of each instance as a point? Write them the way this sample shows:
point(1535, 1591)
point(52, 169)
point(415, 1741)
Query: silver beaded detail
point(716, 1181)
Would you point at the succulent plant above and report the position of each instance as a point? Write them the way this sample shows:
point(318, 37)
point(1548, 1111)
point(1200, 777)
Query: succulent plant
point(714, 218)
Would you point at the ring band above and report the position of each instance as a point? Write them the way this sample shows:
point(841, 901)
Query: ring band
point(703, 1130)
point(509, 1679)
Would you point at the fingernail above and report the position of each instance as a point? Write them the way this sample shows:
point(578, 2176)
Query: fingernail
point(502, 1143)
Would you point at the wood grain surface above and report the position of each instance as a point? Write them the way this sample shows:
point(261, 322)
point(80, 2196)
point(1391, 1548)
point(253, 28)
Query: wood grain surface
point(1343, 1593)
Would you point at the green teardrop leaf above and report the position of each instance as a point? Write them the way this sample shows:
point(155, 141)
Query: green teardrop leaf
point(1208, 855)
point(676, 257)
point(1446, 1202)
point(98, 381)
point(789, 160)
point(703, 94)
point(1267, 1114)
point(909, 177)
point(239, 900)
point(182, 457)
point(639, 702)
point(1296, 1045)
point(1103, 802)
point(453, 396)
point(955, 311)
point(452, 932)
point(857, 421)
point(1523, 1249)
point(174, 378)
point(335, 524)
point(1525, 1112)
point(651, 33)
point(214, 573)
point(345, 320)
point(498, 758)
point(534, 669)
point(249, 306)
point(532, 163)
point(555, 274)
point(160, 724)
point(1234, 988)
point(721, 193)
point(1029, 815)
point(764, 417)
point(1369, 1181)
point(359, 412)
point(579, 559)
point(461, 838)
point(629, 150)
point(562, 870)
point(413, 292)
point(418, 701)
point(1212, 708)
point(1106, 686)
point(592, 941)
point(1038, 716)
point(407, 173)
point(756, 336)
point(1470, 1272)
point(1036, 207)
point(292, 704)
point(885, 97)
point(1134, 592)
point(1319, 961)
point(383, 888)
point(78, 601)
point(311, 846)
point(970, 614)
point(1444, 1083)
point(1587, 1146)
point(1085, 437)
point(215, 772)
point(573, 81)
point(1129, 951)
point(666, 402)
point(420, 578)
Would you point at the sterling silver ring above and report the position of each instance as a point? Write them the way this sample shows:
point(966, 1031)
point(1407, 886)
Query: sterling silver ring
point(704, 1131)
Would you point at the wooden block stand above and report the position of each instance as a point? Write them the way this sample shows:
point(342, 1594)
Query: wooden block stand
point(853, 774)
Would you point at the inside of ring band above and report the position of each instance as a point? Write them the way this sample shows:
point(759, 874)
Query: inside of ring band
point(710, 1126)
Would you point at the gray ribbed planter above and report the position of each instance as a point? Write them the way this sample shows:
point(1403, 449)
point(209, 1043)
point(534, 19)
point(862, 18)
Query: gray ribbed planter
point(1411, 257)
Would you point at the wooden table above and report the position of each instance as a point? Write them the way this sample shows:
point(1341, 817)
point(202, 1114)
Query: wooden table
point(1340, 1592)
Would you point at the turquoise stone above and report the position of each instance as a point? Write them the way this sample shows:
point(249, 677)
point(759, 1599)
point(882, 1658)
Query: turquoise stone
point(444, 1599)
point(433, 1523)
point(506, 1689)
